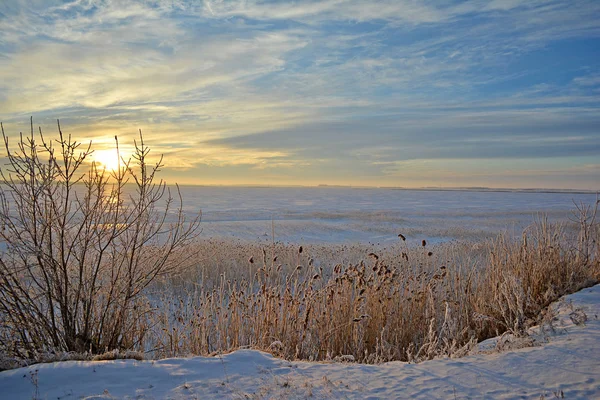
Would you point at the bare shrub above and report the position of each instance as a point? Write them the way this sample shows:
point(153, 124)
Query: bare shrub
point(81, 246)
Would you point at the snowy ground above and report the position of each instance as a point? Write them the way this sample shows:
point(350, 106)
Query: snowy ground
point(317, 215)
point(564, 361)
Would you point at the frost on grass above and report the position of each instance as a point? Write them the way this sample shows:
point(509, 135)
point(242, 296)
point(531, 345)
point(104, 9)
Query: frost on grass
point(564, 362)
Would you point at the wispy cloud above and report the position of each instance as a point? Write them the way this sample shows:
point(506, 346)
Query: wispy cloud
point(335, 91)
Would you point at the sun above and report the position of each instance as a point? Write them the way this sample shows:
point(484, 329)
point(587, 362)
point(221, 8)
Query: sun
point(107, 159)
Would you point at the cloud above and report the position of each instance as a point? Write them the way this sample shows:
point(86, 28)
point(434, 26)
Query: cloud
point(327, 10)
point(540, 173)
point(310, 87)
point(588, 80)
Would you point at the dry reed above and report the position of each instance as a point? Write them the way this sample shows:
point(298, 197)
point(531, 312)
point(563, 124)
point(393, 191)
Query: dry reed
point(401, 303)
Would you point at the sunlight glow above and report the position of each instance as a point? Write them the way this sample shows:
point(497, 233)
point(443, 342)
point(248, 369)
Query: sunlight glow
point(107, 159)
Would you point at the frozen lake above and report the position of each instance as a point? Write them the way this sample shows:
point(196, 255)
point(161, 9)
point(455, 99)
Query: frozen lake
point(340, 215)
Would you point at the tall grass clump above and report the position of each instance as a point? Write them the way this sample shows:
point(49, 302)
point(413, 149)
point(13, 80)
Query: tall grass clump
point(408, 304)
point(80, 246)
point(523, 277)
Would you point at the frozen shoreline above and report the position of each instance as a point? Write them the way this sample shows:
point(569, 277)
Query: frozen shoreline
point(303, 215)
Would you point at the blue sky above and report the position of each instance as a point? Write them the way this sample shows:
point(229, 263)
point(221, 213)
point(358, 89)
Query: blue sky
point(377, 93)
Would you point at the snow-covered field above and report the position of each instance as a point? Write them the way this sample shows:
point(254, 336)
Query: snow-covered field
point(344, 215)
point(564, 360)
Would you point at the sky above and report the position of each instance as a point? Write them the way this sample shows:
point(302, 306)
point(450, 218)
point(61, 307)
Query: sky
point(405, 93)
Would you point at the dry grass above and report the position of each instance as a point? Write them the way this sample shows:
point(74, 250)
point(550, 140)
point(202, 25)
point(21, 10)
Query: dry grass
point(400, 303)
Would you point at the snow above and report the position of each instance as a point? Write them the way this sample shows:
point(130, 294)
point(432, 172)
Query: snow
point(307, 215)
point(564, 360)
